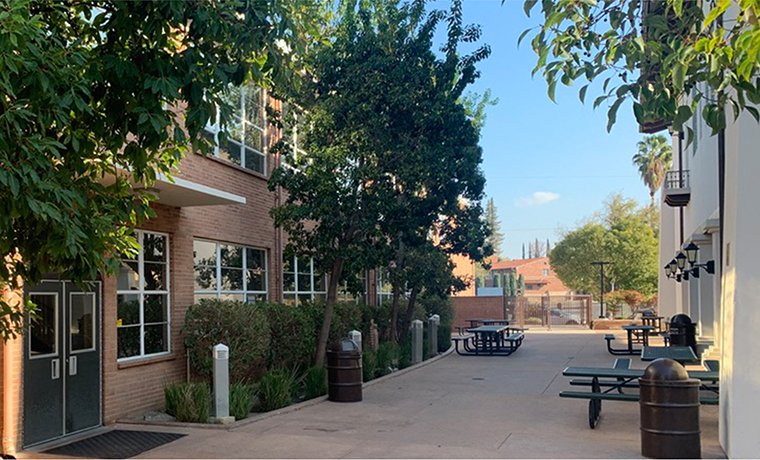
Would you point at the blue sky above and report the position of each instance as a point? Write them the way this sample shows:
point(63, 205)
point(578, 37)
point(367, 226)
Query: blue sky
point(548, 166)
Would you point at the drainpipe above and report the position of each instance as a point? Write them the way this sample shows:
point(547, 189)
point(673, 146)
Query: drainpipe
point(680, 181)
point(721, 186)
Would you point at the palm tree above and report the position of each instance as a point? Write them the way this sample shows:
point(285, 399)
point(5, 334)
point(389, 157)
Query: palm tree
point(653, 160)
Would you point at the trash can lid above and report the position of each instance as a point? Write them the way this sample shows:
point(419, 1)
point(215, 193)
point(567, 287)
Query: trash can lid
point(680, 319)
point(348, 345)
point(665, 369)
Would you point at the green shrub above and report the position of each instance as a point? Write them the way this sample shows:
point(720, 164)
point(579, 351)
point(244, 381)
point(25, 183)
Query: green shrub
point(347, 316)
point(188, 402)
point(241, 326)
point(275, 390)
point(404, 352)
point(369, 365)
point(241, 400)
point(293, 334)
point(315, 382)
point(533, 320)
point(387, 357)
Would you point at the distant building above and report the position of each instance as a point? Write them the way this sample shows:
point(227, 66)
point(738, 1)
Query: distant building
point(538, 277)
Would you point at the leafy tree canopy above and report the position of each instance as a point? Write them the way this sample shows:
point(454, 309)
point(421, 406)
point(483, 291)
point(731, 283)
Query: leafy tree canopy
point(669, 56)
point(392, 155)
point(90, 91)
point(621, 235)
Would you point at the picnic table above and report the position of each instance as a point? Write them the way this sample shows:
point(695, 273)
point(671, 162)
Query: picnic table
point(495, 322)
point(641, 335)
point(677, 353)
point(610, 383)
point(654, 321)
point(488, 340)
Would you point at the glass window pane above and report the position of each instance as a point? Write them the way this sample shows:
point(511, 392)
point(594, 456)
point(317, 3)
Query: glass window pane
point(204, 253)
point(205, 278)
point(154, 247)
point(128, 278)
point(255, 280)
point(155, 277)
point(128, 306)
point(128, 339)
point(304, 298)
point(254, 161)
point(230, 152)
point(43, 337)
point(255, 258)
point(254, 107)
point(304, 283)
point(255, 298)
point(82, 321)
point(289, 299)
point(155, 308)
point(232, 279)
point(204, 295)
point(320, 282)
point(320, 297)
point(156, 339)
point(304, 265)
point(254, 140)
point(289, 282)
point(287, 265)
point(231, 256)
point(232, 296)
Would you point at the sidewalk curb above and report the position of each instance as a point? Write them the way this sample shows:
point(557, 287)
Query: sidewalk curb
point(285, 410)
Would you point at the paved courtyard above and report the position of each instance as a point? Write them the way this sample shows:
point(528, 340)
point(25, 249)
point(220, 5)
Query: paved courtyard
point(456, 407)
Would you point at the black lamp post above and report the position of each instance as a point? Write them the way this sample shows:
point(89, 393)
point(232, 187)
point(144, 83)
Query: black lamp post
point(601, 285)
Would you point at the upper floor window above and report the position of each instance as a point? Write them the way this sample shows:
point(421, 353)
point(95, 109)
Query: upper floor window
point(229, 271)
point(301, 282)
point(246, 133)
point(142, 298)
point(546, 272)
point(384, 286)
point(294, 132)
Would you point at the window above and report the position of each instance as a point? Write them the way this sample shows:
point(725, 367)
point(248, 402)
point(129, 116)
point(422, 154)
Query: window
point(245, 143)
point(384, 287)
point(142, 298)
point(546, 272)
point(228, 271)
point(353, 292)
point(293, 132)
point(300, 282)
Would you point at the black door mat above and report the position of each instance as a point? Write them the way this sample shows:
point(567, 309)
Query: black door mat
point(115, 444)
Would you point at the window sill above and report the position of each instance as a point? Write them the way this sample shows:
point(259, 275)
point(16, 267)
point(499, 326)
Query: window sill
point(145, 361)
point(232, 165)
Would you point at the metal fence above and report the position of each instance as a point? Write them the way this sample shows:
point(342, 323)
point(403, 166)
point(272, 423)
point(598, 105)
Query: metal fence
point(548, 310)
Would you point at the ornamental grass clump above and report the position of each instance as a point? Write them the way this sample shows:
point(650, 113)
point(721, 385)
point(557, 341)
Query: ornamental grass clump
point(315, 382)
point(188, 402)
point(275, 390)
point(241, 400)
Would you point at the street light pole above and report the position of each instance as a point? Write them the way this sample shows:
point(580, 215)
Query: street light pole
point(601, 285)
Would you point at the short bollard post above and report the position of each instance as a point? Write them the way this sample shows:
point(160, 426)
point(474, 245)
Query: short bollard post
point(669, 407)
point(221, 371)
point(433, 335)
point(356, 336)
point(416, 341)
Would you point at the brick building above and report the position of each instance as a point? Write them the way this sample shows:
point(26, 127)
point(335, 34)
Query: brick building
point(105, 352)
point(537, 273)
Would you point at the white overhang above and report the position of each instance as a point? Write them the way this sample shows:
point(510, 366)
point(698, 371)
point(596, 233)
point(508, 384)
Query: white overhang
point(181, 193)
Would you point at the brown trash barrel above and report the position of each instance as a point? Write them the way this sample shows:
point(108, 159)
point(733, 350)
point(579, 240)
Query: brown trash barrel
point(669, 408)
point(344, 376)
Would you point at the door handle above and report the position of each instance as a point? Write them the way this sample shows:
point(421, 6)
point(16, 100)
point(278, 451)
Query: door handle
point(72, 365)
point(55, 368)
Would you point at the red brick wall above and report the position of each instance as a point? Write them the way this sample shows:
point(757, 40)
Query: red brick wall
point(476, 307)
point(130, 389)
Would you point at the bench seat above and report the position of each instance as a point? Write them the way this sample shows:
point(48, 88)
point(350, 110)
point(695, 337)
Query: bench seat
point(514, 337)
point(605, 396)
point(609, 337)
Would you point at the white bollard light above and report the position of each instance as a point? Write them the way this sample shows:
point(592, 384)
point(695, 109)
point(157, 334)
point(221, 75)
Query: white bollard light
point(356, 336)
point(221, 369)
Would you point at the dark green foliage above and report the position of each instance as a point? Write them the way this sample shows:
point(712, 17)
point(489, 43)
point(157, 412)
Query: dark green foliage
point(243, 327)
point(293, 334)
point(444, 337)
point(90, 91)
point(405, 352)
point(241, 400)
point(188, 402)
point(347, 317)
point(275, 390)
point(387, 357)
point(369, 365)
point(315, 382)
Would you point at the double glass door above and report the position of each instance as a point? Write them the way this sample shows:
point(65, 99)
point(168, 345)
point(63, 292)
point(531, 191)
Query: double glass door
point(62, 361)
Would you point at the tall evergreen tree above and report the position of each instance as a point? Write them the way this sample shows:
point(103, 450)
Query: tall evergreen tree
point(523, 250)
point(492, 219)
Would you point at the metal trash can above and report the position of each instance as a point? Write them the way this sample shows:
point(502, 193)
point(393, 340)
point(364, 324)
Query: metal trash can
point(669, 408)
point(344, 373)
point(683, 332)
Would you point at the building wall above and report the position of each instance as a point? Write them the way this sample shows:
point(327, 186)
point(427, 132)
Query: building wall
point(464, 268)
point(134, 387)
point(740, 379)
point(476, 307)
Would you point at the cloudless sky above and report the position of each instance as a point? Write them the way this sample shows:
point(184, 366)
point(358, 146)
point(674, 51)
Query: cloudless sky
point(548, 166)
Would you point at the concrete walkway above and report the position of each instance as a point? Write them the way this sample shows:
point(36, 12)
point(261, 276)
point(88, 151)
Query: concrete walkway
point(457, 407)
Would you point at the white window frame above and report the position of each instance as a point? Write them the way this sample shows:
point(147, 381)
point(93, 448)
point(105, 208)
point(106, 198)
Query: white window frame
point(218, 291)
point(311, 292)
point(215, 128)
point(380, 278)
point(141, 293)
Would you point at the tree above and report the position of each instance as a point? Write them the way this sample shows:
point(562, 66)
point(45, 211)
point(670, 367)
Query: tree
point(622, 236)
point(475, 105)
point(91, 90)
point(667, 60)
point(523, 251)
point(653, 160)
point(391, 151)
point(512, 284)
point(492, 219)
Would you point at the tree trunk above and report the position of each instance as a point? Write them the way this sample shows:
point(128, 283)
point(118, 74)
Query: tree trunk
point(394, 311)
point(409, 313)
point(332, 296)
